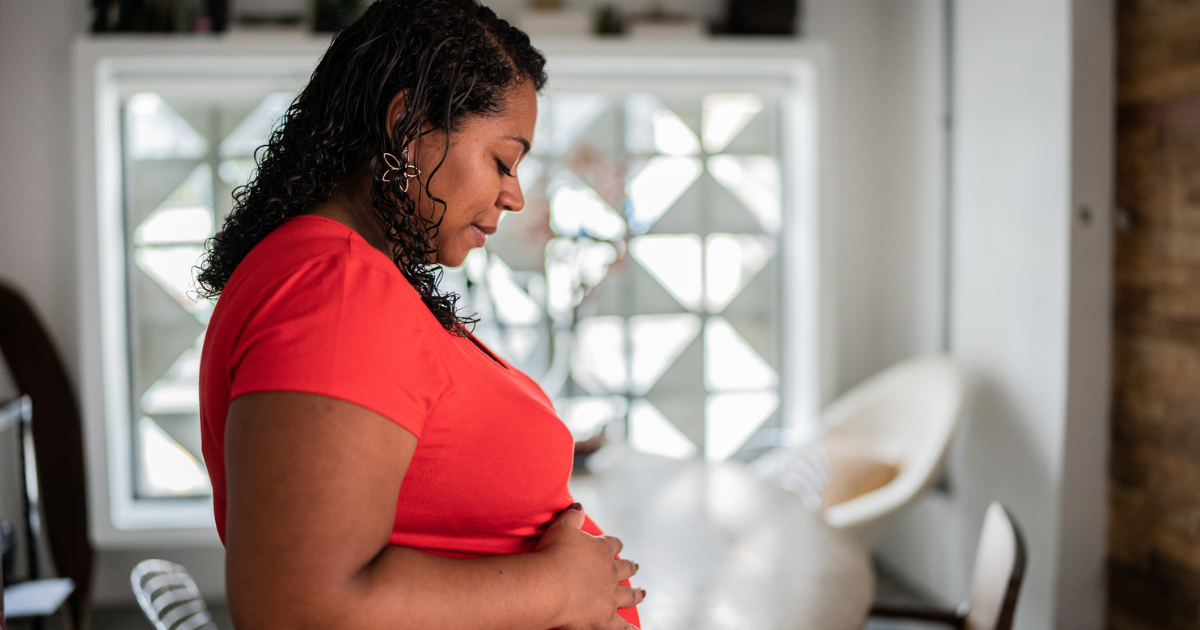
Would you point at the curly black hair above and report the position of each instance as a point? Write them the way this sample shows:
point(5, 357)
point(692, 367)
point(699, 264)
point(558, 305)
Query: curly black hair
point(454, 58)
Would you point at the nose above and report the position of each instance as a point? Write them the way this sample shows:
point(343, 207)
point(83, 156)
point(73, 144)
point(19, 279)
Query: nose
point(511, 198)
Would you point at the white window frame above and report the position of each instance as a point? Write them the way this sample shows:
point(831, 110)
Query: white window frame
point(789, 71)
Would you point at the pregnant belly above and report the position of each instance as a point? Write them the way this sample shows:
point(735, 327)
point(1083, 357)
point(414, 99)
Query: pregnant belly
point(480, 546)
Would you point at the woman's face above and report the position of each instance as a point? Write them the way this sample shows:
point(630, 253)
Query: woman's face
point(478, 180)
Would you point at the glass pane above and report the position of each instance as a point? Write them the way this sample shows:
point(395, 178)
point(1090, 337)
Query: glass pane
point(754, 180)
point(725, 116)
point(650, 432)
point(730, 363)
point(730, 419)
point(154, 131)
point(174, 145)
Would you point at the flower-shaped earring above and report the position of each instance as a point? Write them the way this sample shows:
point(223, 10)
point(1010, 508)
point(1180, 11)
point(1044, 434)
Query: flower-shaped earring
point(400, 166)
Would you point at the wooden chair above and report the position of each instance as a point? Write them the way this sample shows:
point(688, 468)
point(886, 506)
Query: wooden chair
point(57, 429)
point(169, 597)
point(995, 585)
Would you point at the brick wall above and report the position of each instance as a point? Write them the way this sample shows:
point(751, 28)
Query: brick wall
point(1154, 539)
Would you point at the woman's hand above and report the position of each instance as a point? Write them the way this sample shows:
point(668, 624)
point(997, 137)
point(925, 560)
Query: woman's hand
point(591, 574)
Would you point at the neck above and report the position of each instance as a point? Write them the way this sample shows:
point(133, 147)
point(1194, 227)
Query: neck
point(350, 205)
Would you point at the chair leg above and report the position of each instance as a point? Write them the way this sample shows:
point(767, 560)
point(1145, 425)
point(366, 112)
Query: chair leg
point(916, 612)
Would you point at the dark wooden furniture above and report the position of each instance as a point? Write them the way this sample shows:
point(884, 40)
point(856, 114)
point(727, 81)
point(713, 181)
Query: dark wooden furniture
point(57, 429)
point(995, 586)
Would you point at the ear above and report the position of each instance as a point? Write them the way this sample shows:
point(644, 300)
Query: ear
point(395, 109)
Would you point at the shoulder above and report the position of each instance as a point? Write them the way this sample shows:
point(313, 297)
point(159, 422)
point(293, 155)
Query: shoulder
point(313, 257)
point(316, 309)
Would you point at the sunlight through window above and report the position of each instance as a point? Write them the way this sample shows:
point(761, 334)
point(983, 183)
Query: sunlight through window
point(754, 180)
point(650, 432)
point(730, 419)
point(656, 186)
point(598, 362)
point(657, 341)
point(673, 260)
point(730, 261)
point(157, 132)
point(168, 468)
point(576, 210)
point(724, 117)
point(730, 363)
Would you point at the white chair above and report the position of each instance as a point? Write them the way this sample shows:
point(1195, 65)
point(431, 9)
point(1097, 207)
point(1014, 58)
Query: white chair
point(169, 597)
point(905, 417)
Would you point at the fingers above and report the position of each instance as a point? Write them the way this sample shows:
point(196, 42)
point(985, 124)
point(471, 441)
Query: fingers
point(614, 543)
point(628, 597)
point(572, 516)
point(626, 569)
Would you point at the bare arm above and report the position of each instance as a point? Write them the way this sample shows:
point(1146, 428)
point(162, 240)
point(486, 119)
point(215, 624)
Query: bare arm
point(311, 489)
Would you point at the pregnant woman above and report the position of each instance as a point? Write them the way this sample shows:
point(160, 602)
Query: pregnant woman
point(373, 464)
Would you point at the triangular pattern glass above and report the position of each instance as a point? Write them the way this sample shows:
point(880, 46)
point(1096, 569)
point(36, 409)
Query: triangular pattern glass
point(725, 115)
point(154, 131)
point(173, 268)
point(255, 130)
point(652, 128)
point(651, 432)
point(730, 262)
point(754, 180)
point(674, 261)
point(751, 314)
point(184, 217)
point(151, 182)
point(166, 331)
point(577, 210)
point(178, 389)
point(167, 469)
point(513, 305)
point(185, 430)
point(704, 208)
point(601, 171)
point(585, 415)
point(568, 118)
point(730, 420)
point(655, 186)
point(573, 268)
point(657, 341)
point(678, 393)
point(598, 362)
point(730, 364)
point(760, 136)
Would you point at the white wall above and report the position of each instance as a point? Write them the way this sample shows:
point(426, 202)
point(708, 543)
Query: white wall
point(883, 214)
point(1030, 300)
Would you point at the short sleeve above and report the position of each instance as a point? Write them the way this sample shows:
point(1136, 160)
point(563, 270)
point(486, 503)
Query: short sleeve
point(347, 329)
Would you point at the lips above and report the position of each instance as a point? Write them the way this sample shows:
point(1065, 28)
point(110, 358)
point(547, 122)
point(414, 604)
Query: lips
point(481, 233)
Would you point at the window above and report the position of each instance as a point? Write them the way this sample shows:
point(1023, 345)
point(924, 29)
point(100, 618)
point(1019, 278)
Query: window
point(640, 283)
point(660, 280)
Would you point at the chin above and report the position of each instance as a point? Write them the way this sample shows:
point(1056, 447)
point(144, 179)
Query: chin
point(452, 261)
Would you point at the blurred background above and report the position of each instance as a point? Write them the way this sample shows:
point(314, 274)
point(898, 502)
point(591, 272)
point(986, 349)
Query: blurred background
point(736, 212)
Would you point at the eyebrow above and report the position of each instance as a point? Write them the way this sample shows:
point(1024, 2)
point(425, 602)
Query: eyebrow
point(523, 141)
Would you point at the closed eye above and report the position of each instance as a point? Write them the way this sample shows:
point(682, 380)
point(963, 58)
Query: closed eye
point(504, 170)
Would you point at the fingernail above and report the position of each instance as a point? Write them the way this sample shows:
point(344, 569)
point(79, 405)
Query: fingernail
point(636, 566)
point(643, 592)
point(575, 506)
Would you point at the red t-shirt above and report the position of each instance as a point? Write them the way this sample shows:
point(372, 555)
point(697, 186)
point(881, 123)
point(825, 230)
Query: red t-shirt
point(314, 308)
